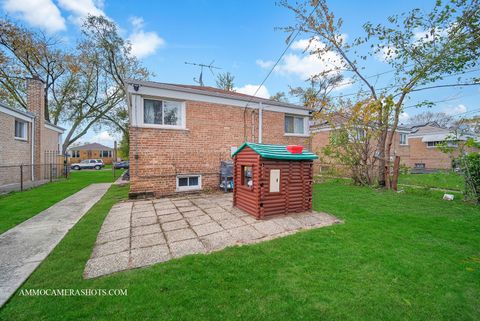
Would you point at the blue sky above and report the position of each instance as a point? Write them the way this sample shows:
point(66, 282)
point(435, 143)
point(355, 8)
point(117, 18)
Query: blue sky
point(239, 35)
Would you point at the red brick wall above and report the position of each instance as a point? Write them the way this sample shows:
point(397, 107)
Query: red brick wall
point(89, 154)
point(415, 151)
point(211, 131)
point(433, 158)
point(36, 105)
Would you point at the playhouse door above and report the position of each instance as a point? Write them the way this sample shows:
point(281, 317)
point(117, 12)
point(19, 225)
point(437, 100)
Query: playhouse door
point(274, 180)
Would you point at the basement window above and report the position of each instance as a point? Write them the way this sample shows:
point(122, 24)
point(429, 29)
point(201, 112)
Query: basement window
point(189, 182)
point(20, 129)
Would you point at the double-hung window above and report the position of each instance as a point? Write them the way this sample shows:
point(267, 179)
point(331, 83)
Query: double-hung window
point(20, 129)
point(163, 113)
point(295, 125)
point(403, 139)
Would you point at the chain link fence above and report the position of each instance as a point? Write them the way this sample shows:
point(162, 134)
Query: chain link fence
point(25, 176)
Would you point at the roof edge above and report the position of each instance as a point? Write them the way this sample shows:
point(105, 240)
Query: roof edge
point(180, 88)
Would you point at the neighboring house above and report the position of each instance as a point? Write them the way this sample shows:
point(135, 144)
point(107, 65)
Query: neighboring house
point(179, 134)
point(416, 145)
point(422, 142)
point(89, 151)
point(26, 138)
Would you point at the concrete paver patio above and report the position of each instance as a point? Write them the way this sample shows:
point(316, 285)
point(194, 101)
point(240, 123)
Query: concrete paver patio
point(141, 233)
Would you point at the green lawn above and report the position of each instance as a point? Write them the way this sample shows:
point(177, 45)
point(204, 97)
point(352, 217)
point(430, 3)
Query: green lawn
point(399, 256)
point(446, 180)
point(19, 206)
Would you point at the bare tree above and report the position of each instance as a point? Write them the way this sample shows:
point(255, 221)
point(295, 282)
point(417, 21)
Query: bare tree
point(23, 54)
point(85, 87)
point(442, 119)
point(423, 48)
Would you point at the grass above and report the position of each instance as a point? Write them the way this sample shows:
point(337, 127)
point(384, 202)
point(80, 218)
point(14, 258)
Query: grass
point(398, 256)
point(17, 207)
point(445, 180)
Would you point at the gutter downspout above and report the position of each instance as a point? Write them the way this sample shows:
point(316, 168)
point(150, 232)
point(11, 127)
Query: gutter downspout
point(32, 136)
point(260, 123)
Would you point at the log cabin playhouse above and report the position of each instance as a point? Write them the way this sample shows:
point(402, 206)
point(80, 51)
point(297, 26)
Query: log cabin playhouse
point(272, 179)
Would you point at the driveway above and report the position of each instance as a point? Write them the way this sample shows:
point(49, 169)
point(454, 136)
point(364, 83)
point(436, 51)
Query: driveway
point(141, 233)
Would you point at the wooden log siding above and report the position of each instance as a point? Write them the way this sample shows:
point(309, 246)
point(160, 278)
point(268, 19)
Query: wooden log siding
point(296, 179)
point(247, 198)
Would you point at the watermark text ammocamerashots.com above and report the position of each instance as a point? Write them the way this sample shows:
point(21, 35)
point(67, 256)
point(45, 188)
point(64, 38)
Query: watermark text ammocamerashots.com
point(73, 292)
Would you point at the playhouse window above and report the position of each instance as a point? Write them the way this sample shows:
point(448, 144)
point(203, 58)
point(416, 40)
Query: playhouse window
point(247, 176)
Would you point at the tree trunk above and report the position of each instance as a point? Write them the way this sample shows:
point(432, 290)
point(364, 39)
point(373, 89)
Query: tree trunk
point(381, 159)
point(396, 170)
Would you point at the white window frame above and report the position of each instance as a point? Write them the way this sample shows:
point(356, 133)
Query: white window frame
point(59, 144)
point(305, 125)
point(24, 137)
point(189, 188)
point(406, 139)
point(147, 125)
point(435, 145)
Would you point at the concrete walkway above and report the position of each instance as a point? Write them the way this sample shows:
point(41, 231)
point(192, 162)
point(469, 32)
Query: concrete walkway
point(25, 246)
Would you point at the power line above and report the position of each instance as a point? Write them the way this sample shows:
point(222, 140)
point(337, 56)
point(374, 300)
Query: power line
point(392, 86)
point(273, 67)
point(284, 51)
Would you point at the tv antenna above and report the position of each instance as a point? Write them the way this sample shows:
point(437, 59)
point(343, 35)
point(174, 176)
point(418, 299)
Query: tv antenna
point(200, 78)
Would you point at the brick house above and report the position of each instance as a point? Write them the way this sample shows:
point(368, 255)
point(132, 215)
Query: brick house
point(422, 142)
point(89, 151)
point(27, 138)
point(179, 134)
point(416, 145)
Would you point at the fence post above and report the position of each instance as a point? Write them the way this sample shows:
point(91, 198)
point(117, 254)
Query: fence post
point(51, 171)
point(21, 177)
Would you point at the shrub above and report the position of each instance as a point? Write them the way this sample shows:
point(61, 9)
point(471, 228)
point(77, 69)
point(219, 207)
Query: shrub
point(471, 170)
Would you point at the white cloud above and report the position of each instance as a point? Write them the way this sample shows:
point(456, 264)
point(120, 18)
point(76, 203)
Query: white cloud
point(459, 109)
point(104, 138)
point(304, 63)
point(251, 89)
point(386, 53)
point(137, 22)
point(80, 9)
point(264, 63)
point(144, 43)
point(404, 117)
point(43, 14)
point(429, 35)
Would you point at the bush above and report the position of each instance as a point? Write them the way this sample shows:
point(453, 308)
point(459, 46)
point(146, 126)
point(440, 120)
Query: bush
point(471, 170)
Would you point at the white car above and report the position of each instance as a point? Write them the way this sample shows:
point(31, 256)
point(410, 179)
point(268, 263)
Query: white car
point(88, 164)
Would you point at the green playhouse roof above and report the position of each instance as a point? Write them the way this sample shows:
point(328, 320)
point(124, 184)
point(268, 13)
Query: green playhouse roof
point(276, 152)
